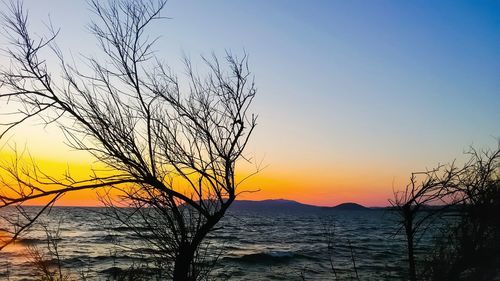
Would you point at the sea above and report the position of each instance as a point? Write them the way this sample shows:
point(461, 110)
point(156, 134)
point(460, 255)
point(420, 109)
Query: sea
point(250, 245)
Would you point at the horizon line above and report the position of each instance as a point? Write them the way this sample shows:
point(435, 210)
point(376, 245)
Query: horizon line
point(268, 199)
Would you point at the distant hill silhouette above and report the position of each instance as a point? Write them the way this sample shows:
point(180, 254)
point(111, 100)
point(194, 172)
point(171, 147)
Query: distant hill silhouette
point(349, 206)
point(271, 205)
point(283, 205)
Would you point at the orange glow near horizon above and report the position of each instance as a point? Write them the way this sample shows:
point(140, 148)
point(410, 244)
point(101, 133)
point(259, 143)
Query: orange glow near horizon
point(344, 113)
point(324, 189)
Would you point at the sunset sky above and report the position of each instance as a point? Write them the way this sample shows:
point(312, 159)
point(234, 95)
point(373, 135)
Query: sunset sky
point(352, 95)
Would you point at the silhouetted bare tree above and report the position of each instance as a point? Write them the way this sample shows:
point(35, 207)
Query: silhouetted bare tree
point(432, 187)
point(429, 193)
point(468, 249)
point(169, 145)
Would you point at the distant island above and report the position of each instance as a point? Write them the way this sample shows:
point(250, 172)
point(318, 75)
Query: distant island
point(272, 205)
point(350, 206)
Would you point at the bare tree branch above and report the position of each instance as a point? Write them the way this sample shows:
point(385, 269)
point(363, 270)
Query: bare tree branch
point(171, 152)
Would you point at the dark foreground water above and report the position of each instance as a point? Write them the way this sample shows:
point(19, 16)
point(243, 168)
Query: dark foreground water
point(253, 246)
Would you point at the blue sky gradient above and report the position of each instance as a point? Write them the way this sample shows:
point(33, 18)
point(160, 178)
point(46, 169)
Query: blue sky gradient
point(357, 93)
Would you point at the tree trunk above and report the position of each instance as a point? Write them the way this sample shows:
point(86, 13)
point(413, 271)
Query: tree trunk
point(183, 264)
point(184, 267)
point(410, 247)
point(411, 260)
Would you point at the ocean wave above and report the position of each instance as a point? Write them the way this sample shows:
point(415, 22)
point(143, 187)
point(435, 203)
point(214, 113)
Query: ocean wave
point(30, 241)
point(224, 237)
point(267, 257)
